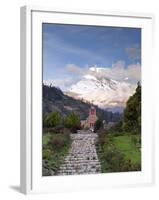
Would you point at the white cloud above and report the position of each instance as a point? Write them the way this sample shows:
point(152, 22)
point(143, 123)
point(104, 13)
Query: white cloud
point(130, 74)
point(134, 72)
point(118, 71)
point(74, 69)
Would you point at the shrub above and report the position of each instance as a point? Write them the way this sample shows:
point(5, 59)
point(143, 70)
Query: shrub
point(53, 119)
point(72, 121)
point(66, 131)
point(114, 160)
point(117, 129)
point(98, 125)
point(59, 141)
point(134, 140)
point(54, 152)
point(101, 140)
point(46, 154)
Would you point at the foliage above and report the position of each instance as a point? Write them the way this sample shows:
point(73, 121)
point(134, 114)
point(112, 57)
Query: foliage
point(58, 141)
point(114, 159)
point(119, 153)
point(58, 129)
point(132, 113)
point(117, 129)
point(53, 119)
point(55, 149)
point(98, 124)
point(72, 121)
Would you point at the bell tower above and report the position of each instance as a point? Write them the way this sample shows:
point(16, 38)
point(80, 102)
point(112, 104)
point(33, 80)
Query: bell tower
point(92, 117)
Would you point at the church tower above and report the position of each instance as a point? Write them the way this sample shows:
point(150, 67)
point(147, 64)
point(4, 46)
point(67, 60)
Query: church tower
point(92, 117)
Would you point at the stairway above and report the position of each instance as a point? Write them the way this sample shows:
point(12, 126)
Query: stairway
point(82, 157)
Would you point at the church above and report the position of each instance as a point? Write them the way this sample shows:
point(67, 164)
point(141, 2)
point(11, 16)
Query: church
point(91, 119)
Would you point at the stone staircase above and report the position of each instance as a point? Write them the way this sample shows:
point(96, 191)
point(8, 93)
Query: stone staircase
point(82, 157)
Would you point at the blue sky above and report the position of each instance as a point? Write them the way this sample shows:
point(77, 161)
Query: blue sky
point(87, 46)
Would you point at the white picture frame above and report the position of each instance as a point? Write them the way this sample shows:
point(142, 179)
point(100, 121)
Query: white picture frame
point(31, 98)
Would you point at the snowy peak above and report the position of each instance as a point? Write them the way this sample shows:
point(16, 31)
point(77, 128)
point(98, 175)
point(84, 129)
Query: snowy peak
point(90, 83)
point(102, 91)
point(89, 77)
point(96, 87)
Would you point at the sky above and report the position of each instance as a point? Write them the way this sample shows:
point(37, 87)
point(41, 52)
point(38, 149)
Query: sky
point(70, 50)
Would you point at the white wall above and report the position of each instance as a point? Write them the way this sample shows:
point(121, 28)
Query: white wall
point(9, 91)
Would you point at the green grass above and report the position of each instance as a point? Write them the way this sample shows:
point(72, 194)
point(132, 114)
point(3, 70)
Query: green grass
point(125, 145)
point(119, 153)
point(55, 149)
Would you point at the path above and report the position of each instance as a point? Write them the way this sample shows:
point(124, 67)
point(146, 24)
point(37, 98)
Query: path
point(82, 157)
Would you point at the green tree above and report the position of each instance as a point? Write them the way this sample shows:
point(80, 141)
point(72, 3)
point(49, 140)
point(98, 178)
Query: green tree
point(52, 119)
point(98, 124)
point(132, 112)
point(72, 121)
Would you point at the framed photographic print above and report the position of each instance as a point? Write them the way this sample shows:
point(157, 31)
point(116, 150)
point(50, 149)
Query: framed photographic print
point(86, 100)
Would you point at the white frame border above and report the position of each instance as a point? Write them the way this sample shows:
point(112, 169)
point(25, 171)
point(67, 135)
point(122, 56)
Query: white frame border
point(26, 92)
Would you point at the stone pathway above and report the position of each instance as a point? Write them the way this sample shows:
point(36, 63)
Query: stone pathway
point(82, 157)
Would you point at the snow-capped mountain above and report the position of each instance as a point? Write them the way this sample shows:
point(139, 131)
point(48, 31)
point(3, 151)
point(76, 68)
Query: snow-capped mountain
point(102, 91)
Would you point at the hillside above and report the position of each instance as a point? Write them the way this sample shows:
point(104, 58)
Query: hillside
point(55, 100)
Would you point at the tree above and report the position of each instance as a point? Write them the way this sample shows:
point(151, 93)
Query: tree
point(132, 112)
point(53, 119)
point(98, 124)
point(72, 121)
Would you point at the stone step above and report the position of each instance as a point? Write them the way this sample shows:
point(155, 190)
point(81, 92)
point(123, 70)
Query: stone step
point(80, 163)
point(91, 158)
point(79, 169)
point(82, 157)
point(72, 172)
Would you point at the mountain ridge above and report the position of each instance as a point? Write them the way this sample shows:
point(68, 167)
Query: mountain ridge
point(55, 100)
point(102, 91)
